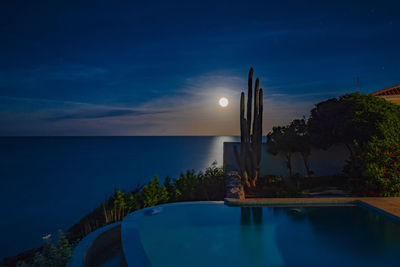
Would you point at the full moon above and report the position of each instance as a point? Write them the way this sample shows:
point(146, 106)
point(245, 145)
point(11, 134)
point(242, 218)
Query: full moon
point(223, 102)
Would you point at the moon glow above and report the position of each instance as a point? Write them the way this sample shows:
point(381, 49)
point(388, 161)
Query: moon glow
point(223, 102)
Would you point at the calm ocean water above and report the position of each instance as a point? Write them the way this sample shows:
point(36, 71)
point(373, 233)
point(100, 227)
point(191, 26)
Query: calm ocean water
point(49, 183)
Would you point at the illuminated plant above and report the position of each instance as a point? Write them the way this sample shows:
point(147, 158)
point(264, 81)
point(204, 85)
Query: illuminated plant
point(250, 134)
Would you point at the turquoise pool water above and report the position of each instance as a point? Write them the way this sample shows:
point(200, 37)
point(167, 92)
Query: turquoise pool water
point(213, 234)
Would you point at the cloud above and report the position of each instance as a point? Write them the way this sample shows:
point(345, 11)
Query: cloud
point(96, 114)
point(26, 78)
point(72, 72)
point(190, 110)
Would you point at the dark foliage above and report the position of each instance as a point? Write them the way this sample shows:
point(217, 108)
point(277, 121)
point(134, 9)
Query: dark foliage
point(354, 117)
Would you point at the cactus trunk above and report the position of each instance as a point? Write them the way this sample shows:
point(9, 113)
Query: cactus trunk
point(249, 157)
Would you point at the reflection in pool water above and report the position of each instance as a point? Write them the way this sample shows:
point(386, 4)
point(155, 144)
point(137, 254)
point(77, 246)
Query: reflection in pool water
point(212, 234)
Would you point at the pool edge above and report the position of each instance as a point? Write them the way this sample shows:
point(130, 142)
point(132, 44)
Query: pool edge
point(389, 206)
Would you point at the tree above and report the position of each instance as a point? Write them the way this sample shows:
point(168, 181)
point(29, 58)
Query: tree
point(289, 140)
point(375, 169)
point(282, 140)
point(353, 117)
point(302, 141)
point(328, 124)
point(370, 128)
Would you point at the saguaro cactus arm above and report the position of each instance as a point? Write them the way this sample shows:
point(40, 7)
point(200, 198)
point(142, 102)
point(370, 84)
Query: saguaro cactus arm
point(250, 133)
point(249, 98)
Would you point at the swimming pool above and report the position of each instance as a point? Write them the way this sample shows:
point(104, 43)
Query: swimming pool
point(213, 234)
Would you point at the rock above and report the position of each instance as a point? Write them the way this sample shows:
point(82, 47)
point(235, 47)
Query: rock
point(234, 187)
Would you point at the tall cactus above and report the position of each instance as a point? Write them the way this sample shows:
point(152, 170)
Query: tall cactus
point(250, 137)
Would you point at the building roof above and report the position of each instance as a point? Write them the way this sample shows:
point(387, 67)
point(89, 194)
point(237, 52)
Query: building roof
point(391, 91)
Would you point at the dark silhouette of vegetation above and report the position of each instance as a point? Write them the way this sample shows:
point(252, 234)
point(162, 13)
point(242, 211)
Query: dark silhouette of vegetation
point(250, 135)
point(209, 185)
point(282, 141)
point(275, 186)
point(302, 141)
point(52, 254)
point(289, 140)
point(367, 125)
point(370, 128)
point(329, 124)
point(353, 117)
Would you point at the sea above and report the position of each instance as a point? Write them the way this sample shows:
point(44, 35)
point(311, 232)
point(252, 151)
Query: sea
point(48, 183)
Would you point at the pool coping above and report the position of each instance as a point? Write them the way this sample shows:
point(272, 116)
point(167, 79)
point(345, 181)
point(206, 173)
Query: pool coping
point(389, 206)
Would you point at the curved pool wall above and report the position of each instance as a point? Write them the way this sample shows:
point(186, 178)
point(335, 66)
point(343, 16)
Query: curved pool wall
point(204, 233)
point(94, 249)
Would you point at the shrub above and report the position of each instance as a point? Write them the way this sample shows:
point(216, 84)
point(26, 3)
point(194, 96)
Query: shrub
point(52, 254)
point(173, 193)
point(213, 182)
point(275, 186)
point(188, 185)
point(153, 194)
point(374, 170)
point(118, 206)
point(207, 185)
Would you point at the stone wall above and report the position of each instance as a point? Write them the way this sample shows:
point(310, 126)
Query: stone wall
point(234, 187)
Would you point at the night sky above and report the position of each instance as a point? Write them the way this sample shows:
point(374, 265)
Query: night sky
point(159, 67)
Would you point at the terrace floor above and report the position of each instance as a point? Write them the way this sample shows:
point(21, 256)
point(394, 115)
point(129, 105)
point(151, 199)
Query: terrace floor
point(389, 205)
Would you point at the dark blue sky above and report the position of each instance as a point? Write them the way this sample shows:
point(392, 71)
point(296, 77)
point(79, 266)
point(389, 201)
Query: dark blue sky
point(158, 68)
